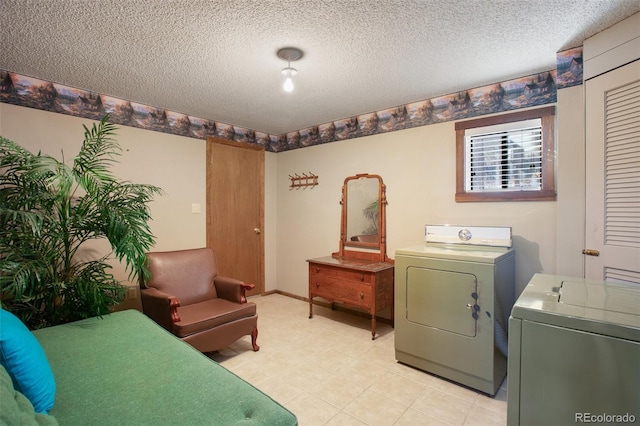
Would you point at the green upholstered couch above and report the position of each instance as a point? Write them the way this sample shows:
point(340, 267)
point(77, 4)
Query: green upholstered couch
point(125, 369)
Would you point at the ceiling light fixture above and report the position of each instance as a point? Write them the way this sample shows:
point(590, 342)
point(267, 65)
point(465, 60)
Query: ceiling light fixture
point(289, 54)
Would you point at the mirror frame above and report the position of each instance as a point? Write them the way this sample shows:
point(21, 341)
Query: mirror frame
point(370, 251)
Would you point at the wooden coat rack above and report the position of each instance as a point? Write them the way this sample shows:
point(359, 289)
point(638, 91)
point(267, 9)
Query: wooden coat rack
point(304, 181)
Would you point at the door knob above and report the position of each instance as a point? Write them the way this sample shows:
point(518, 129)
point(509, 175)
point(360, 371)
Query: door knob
point(256, 230)
point(591, 252)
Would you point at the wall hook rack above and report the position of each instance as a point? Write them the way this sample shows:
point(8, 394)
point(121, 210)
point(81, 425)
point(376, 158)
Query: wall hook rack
point(304, 181)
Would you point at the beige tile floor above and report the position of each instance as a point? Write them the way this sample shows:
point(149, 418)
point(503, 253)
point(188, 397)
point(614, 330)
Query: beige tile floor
point(328, 371)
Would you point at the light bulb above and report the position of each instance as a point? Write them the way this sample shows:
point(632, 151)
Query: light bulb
point(288, 80)
point(288, 84)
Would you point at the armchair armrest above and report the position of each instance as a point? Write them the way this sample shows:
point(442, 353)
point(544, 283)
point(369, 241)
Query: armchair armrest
point(232, 289)
point(161, 307)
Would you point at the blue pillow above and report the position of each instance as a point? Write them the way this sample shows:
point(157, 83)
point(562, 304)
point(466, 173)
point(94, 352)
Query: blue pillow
point(25, 361)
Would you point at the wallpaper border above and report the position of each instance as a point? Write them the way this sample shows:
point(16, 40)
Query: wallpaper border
point(524, 92)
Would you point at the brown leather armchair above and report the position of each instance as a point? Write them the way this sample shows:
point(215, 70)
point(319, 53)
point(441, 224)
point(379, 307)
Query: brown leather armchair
point(186, 296)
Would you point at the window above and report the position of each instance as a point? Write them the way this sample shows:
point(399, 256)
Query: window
point(508, 157)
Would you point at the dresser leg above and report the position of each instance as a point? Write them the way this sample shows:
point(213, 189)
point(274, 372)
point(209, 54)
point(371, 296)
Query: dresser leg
point(310, 308)
point(373, 327)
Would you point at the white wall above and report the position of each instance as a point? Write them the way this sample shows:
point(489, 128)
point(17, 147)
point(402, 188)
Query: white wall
point(174, 163)
point(417, 165)
point(571, 182)
point(418, 168)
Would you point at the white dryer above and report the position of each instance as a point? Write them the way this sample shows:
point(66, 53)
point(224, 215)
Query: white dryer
point(453, 296)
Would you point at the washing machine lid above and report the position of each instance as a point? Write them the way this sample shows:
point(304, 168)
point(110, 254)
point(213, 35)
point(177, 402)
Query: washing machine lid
point(609, 297)
point(606, 308)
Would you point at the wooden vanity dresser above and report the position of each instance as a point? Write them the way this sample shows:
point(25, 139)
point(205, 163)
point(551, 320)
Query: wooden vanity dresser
point(360, 284)
point(361, 279)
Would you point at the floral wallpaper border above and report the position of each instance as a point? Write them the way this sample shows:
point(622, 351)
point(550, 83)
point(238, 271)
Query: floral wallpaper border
point(524, 92)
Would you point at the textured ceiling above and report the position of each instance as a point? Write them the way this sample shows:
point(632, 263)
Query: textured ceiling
point(217, 59)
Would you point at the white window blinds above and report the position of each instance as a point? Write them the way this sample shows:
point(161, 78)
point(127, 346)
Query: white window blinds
point(504, 157)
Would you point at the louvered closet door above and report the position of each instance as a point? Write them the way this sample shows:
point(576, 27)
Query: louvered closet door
point(613, 175)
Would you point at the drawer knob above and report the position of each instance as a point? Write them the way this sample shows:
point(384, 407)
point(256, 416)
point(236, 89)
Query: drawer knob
point(361, 295)
point(317, 284)
point(361, 277)
point(317, 269)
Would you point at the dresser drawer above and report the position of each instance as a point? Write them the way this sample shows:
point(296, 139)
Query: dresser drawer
point(338, 290)
point(339, 273)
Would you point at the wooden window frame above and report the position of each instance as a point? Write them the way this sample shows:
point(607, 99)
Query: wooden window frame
point(548, 190)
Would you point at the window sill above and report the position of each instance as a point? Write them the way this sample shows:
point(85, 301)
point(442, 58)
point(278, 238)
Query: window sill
point(466, 197)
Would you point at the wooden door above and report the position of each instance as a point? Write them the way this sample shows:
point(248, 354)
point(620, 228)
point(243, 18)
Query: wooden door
point(613, 175)
point(235, 209)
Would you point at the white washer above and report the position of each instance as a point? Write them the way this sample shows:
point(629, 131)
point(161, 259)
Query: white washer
point(574, 353)
point(453, 296)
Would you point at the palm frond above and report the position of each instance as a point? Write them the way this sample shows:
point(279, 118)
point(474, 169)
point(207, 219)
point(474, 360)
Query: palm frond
point(125, 215)
point(98, 152)
point(12, 155)
point(10, 218)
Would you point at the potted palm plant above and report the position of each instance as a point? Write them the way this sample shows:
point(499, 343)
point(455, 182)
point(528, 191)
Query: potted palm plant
point(49, 210)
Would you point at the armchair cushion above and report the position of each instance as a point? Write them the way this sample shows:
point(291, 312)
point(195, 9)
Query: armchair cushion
point(209, 314)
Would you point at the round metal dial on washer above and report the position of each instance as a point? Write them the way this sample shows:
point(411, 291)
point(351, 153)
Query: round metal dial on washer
point(464, 234)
